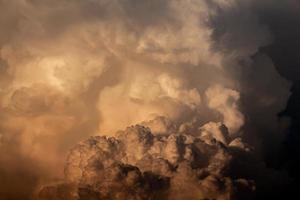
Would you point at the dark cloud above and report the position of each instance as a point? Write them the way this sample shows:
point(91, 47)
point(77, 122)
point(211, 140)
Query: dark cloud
point(163, 167)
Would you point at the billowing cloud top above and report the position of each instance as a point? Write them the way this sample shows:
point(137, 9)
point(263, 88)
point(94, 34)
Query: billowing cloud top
point(139, 165)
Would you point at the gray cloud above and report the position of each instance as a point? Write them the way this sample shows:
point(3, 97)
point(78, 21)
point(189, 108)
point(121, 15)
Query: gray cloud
point(139, 165)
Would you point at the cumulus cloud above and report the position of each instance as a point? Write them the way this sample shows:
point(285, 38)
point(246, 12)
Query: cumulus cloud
point(190, 71)
point(139, 165)
point(225, 101)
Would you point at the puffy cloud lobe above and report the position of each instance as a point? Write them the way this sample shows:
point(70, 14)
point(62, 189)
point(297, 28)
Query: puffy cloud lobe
point(215, 131)
point(172, 88)
point(139, 165)
point(225, 100)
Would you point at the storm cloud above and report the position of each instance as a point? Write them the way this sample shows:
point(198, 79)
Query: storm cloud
point(196, 78)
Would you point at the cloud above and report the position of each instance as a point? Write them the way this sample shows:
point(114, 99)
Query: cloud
point(139, 165)
point(225, 101)
point(193, 70)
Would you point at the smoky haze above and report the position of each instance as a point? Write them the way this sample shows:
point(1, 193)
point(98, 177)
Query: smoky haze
point(183, 96)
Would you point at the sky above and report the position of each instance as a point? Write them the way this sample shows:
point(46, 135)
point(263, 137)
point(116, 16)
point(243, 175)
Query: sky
point(152, 99)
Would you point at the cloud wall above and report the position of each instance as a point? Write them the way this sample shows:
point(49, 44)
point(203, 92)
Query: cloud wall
point(72, 69)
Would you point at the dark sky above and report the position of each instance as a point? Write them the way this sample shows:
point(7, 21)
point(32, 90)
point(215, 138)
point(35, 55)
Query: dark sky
point(284, 23)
